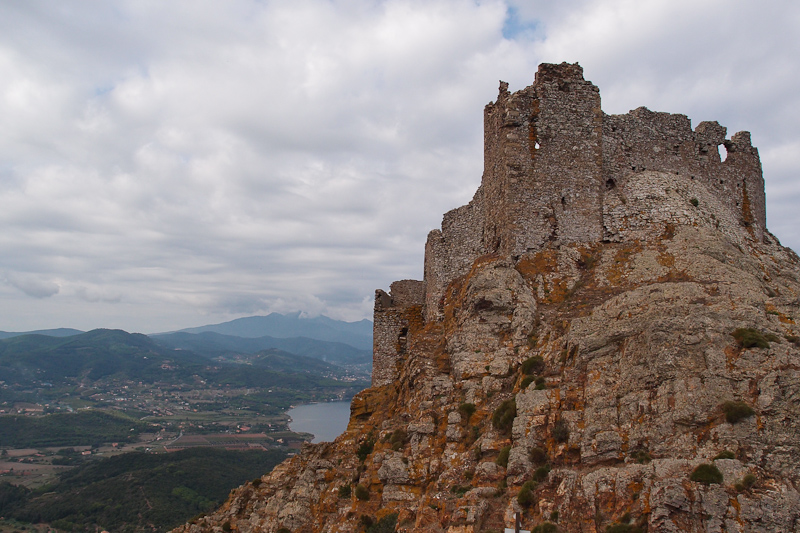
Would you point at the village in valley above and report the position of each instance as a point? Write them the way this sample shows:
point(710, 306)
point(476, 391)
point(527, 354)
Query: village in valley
point(177, 417)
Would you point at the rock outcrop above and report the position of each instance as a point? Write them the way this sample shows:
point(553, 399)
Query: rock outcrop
point(605, 337)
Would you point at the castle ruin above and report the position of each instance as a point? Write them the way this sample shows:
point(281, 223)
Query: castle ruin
point(557, 170)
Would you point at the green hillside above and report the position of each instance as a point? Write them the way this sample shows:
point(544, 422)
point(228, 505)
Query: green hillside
point(137, 492)
point(117, 355)
point(214, 345)
point(115, 370)
point(67, 429)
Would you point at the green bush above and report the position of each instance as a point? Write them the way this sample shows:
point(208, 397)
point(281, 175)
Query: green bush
point(365, 448)
point(561, 430)
point(538, 456)
point(502, 458)
point(540, 474)
point(541, 383)
point(226, 527)
point(545, 527)
point(694, 201)
point(750, 338)
point(362, 492)
point(467, 410)
point(525, 496)
point(527, 380)
point(283, 530)
point(725, 454)
point(504, 415)
point(345, 491)
point(706, 473)
point(384, 525)
point(746, 483)
point(533, 365)
point(736, 411)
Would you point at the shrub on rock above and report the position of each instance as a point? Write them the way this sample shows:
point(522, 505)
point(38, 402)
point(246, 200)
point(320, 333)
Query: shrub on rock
point(706, 473)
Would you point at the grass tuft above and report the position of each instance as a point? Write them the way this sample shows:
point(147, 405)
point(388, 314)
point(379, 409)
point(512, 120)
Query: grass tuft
point(750, 338)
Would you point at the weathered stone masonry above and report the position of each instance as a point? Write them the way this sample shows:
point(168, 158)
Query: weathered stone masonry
point(390, 327)
point(557, 170)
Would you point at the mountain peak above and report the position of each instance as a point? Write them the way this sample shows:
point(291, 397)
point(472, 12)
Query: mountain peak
point(356, 334)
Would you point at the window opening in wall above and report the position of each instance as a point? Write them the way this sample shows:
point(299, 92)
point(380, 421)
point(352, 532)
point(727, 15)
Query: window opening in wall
point(610, 184)
point(563, 201)
point(723, 152)
point(402, 339)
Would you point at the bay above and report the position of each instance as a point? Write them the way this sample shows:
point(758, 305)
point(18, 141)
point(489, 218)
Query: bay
point(325, 421)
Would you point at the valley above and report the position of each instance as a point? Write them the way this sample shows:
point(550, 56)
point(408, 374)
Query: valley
point(81, 402)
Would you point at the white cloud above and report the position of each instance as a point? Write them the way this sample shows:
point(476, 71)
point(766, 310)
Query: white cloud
point(33, 286)
point(169, 164)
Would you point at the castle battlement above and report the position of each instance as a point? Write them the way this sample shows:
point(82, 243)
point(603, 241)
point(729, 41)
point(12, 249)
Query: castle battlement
point(557, 171)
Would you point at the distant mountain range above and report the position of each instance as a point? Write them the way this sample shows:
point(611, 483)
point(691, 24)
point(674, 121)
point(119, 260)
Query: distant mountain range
point(272, 343)
point(116, 354)
point(216, 345)
point(356, 334)
point(275, 326)
point(59, 332)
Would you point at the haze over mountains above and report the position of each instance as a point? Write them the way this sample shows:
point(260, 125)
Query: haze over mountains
point(357, 334)
point(58, 332)
point(271, 346)
point(333, 341)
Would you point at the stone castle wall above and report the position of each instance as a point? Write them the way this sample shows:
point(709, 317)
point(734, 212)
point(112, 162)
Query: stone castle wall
point(557, 170)
point(450, 252)
point(642, 141)
point(390, 328)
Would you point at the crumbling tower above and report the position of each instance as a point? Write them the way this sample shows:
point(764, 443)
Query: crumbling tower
point(542, 180)
point(391, 321)
point(559, 171)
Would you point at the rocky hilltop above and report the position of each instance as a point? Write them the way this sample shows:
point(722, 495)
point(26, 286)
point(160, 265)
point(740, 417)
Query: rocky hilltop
point(604, 340)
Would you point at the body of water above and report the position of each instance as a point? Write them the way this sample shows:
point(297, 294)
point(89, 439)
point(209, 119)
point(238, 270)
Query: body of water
point(325, 420)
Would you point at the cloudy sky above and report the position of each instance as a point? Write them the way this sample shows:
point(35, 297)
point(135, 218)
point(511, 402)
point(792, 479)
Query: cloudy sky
point(172, 164)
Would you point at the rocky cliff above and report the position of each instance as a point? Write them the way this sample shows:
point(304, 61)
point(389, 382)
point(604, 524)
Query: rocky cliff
point(604, 340)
